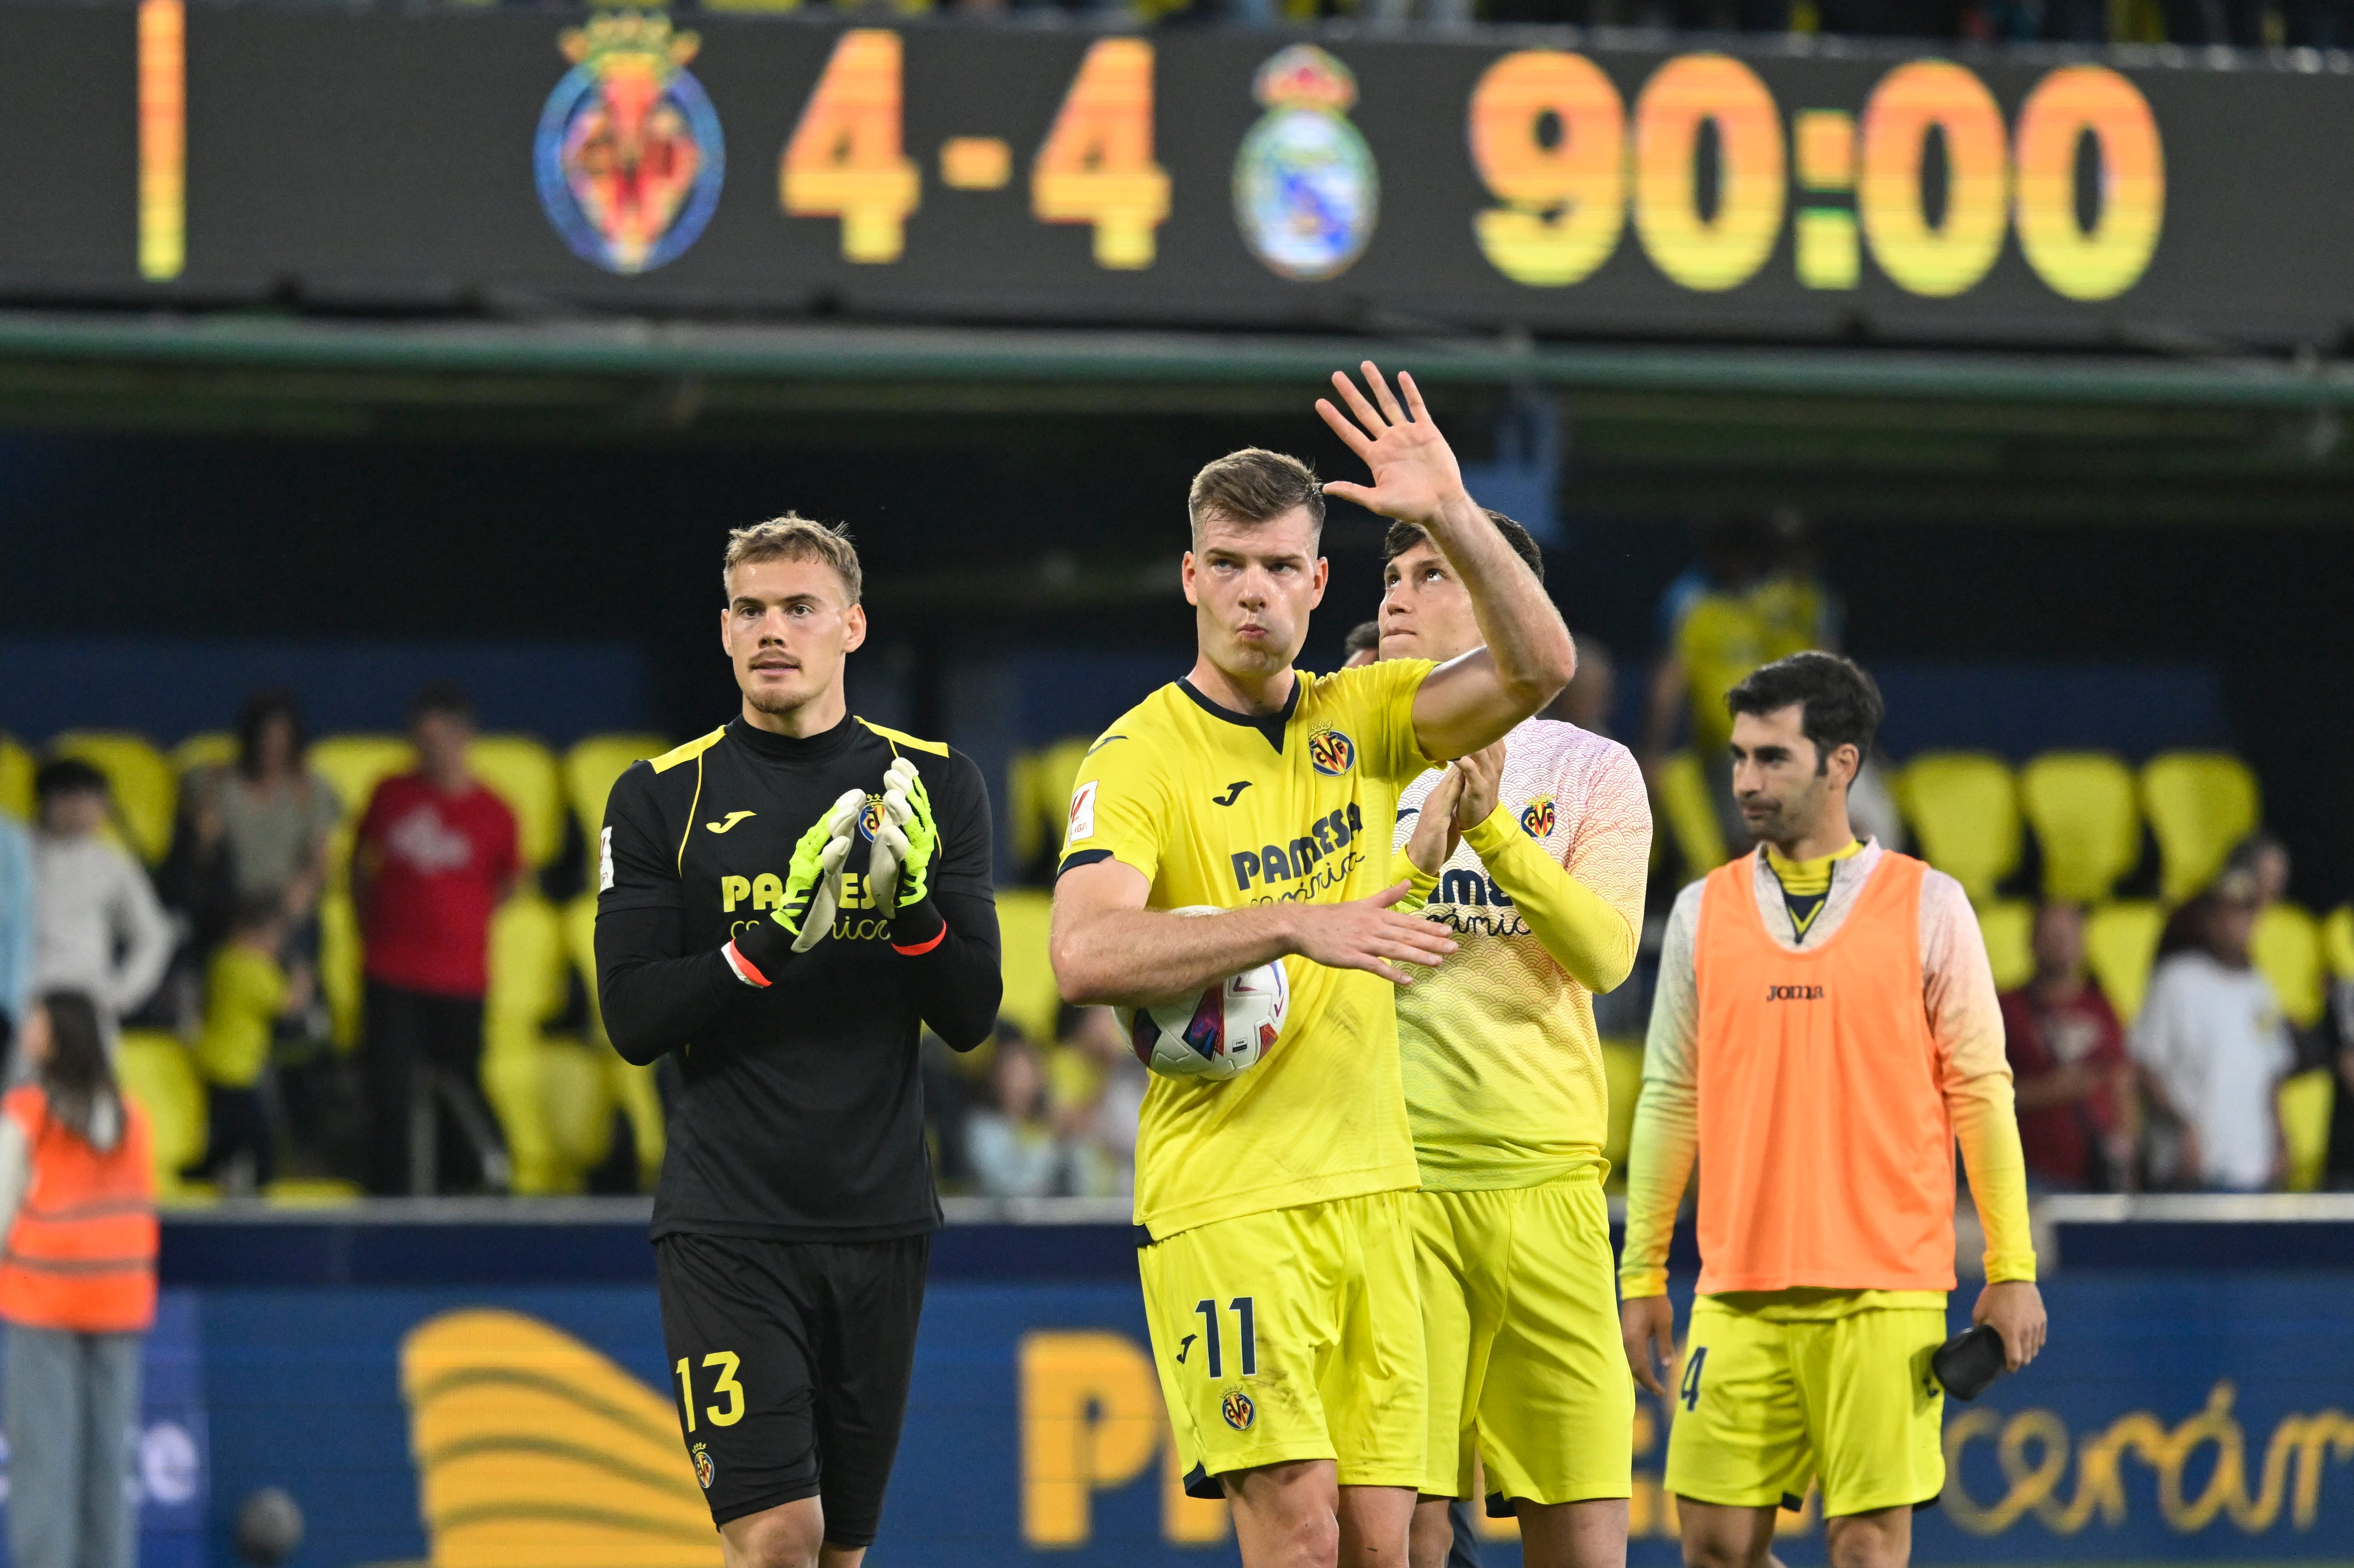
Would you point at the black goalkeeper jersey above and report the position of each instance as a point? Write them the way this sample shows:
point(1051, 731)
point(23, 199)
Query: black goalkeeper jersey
point(802, 1117)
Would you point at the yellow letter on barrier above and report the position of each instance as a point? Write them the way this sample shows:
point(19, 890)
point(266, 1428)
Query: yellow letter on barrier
point(1091, 1419)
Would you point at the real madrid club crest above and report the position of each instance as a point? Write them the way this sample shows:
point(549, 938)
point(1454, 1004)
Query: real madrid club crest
point(1332, 752)
point(1306, 191)
point(629, 157)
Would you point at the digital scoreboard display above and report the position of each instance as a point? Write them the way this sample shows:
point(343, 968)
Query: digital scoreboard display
point(783, 167)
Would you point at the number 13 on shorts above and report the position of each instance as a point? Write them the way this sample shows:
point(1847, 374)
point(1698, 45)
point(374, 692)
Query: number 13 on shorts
point(1247, 1327)
point(724, 1385)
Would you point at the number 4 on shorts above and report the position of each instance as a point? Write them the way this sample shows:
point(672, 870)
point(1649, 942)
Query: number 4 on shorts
point(1689, 1391)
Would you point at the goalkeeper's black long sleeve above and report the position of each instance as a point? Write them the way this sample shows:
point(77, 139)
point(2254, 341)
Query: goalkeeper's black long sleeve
point(800, 1116)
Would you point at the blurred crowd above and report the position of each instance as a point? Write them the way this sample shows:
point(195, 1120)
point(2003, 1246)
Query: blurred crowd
point(221, 946)
point(1026, 1119)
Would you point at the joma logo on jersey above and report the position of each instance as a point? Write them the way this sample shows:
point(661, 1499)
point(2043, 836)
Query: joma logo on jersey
point(1332, 752)
point(1794, 993)
point(1272, 864)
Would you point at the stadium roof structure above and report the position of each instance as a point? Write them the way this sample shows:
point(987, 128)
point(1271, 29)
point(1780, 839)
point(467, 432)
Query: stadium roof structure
point(2140, 433)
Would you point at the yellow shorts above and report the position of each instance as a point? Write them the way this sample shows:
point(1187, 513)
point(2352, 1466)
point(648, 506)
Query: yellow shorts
point(1294, 1334)
point(1770, 1400)
point(1519, 1312)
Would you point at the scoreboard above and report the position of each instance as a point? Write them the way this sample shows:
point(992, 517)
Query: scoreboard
point(1514, 180)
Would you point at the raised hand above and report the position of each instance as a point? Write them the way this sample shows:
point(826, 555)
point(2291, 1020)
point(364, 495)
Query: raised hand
point(1414, 472)
point(1483, 784)
point(813, 880)
point(906, 839)
point(1434, 836)
point(1368, 933)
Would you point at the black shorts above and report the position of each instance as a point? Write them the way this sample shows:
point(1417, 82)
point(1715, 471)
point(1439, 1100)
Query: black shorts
point(799, 1355)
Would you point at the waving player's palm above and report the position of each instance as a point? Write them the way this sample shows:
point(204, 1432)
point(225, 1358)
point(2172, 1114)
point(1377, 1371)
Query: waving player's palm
point(1415, 471)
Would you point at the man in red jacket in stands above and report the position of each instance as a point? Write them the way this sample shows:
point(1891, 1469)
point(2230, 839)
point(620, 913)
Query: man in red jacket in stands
point(436, 853)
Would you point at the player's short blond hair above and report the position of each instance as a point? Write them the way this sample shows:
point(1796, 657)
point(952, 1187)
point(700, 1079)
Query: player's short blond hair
point(794, 537)
point(1254, 485)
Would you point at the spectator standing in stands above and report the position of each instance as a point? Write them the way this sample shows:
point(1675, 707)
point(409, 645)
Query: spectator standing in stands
point(2214, 1046)
point(16, 927)
point(262, 827)
point(1011, 1143)
point(2079, 1115)
point(246, 994)
point(99, 929)
point(435, 855)
point(1101, 1124)
point(76, 1291)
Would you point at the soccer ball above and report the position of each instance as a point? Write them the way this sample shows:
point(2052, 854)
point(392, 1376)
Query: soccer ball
point(1218, 1034)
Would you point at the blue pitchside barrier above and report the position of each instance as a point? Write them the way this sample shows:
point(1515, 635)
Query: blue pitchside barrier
point(484, 1383)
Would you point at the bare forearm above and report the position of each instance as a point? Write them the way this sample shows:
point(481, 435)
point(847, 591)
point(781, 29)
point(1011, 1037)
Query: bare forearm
point(2045, 1090)
point(1126, 957)
point(1524, 633)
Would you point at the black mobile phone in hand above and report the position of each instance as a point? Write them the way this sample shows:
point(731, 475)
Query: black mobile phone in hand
point(1969, 1363)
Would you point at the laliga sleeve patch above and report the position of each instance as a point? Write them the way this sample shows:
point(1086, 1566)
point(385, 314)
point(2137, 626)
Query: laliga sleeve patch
point(1083, 811)
point(605, 861)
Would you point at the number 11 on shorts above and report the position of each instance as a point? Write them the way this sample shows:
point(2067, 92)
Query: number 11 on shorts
point(1246, 1327)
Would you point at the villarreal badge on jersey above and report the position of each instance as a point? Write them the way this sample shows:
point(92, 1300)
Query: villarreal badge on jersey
point(628, 158)
point(703, 1469)
point(1537, 817)
point(1237, 1409)
point(1332, 752)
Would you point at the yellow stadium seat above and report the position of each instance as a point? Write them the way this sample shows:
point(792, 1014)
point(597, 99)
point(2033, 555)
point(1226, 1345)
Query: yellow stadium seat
point(2337, 941)
point(2008, 926)
point(579, 1107)
point(633, 1087)
point(522, 772)
point(2200, 804)
point(2081, 805)
point(352, 765)
point(591, 767)
point(1023, 917)
point(15, 780)
point(214, 748)
point(356, 764)
point(2305, 1103)
point(1689, 812)
point(1038, 786)
point(526, 988)
point(159, 1077)
point(2121, 945)
point(1964, 808)
point(2287, 948)
point(146, 790)
point(340, 962)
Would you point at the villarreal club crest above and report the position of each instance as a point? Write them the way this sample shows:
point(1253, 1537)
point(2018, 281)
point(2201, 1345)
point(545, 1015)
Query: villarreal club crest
point(1306, 190)
point(628, 158)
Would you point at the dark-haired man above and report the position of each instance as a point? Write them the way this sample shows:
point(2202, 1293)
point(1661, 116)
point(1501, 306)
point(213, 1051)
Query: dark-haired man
point(783, 906)
point(434, 854)
point(1532, 855)
point(1825, 1028)
point(1274, 1245)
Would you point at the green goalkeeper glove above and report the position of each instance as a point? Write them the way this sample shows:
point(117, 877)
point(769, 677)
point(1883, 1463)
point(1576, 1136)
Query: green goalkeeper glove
point(813, 882)
point(907, 841)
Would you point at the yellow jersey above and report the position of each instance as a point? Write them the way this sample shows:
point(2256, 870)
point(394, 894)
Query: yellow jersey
point(1723, 635)
point(244, 991)
point(1226, 809)
point(1502, 1066)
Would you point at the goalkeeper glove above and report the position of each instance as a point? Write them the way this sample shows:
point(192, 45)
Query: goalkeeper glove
point(813, 881)
point(907, 841)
